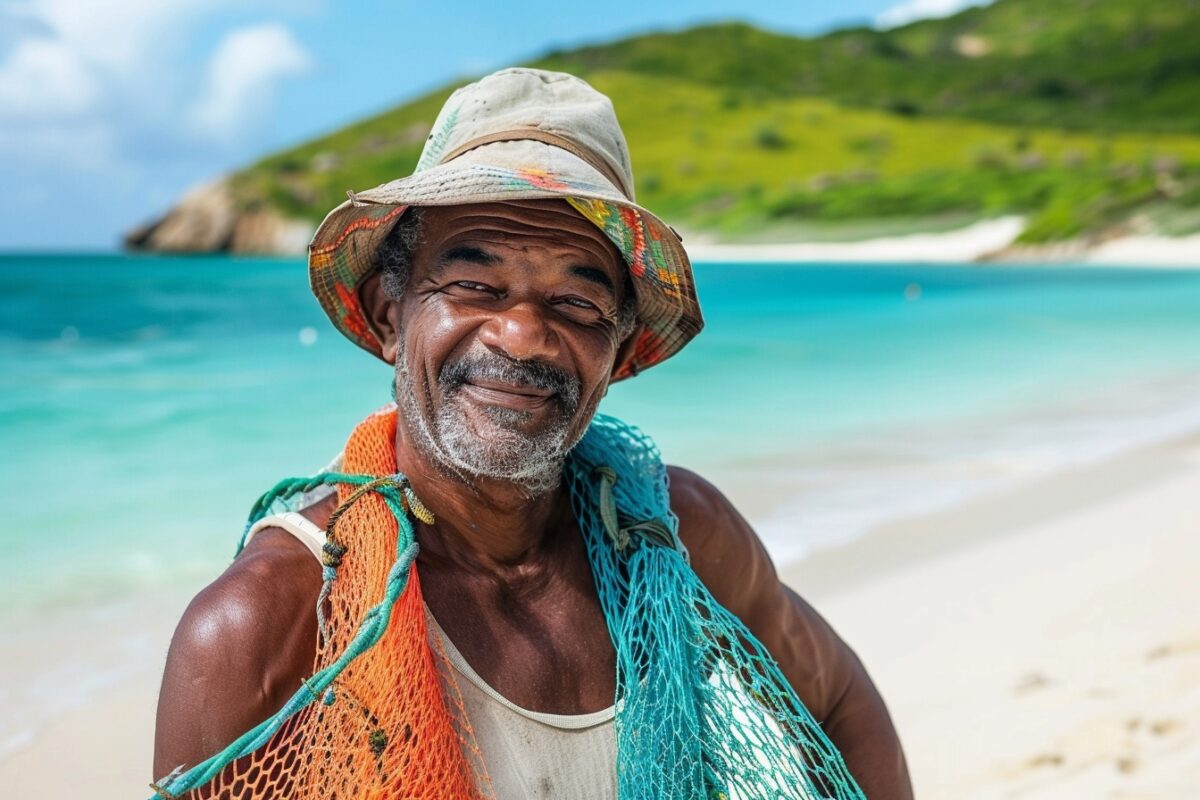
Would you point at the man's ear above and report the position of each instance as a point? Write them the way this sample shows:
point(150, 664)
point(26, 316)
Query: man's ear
point(381, 313)
point(626, 351)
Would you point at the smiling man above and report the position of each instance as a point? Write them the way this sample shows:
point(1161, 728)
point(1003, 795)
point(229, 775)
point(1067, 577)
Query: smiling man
point(511, 597)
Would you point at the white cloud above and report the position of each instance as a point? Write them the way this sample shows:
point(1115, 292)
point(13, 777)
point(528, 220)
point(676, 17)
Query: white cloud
point(44, 78)
point(241, 77)
point(95, 82)
point(115, 36)
point(913, 10)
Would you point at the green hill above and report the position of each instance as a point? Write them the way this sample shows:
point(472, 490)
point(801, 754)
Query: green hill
point(1083, 114)
point(1081, 64)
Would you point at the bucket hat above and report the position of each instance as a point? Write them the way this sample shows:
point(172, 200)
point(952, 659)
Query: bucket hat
point(519, 134)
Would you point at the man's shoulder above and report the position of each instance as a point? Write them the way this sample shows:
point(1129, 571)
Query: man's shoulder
point(691, 490)
point(273, 577)
point(724, 550)
point(707, 518)
point(259, 595)
point(240, 649)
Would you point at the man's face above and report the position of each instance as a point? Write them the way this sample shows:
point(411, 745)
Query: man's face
point(507, 336)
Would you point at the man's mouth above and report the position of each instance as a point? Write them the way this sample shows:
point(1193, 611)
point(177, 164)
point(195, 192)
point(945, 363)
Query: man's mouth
point(521, 397)
point(490, 381)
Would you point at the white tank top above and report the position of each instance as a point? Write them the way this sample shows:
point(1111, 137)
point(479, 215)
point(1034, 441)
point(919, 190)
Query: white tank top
point(527, 754)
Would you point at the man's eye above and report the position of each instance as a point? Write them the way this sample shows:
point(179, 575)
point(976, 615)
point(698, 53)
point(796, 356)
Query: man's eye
point(579, 302)
point(475, 287)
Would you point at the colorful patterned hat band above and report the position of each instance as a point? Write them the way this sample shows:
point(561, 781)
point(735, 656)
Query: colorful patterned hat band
point(519, 134)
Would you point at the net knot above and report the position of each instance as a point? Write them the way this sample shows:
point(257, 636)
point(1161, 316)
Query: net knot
point(161, 792)
point(608, 506)
point(333, 552)
point(415, 506)
point(327, 698)
point(378, 741)
point(622, 530)
point(158, 786)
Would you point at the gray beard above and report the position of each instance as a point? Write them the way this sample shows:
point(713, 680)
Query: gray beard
point(504, 451)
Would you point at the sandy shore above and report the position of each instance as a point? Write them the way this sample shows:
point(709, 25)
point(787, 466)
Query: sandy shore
point(1041, 643)
point(96, 674)
point(989, 240)
point(1150, 251)
point(955, 246)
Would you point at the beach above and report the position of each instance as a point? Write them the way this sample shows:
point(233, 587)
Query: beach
point(1038, 642)
point(914, 283)
point(983, 477)
point(988, 240)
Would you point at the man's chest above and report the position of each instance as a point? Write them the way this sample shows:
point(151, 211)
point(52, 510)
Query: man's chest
point(550, 653)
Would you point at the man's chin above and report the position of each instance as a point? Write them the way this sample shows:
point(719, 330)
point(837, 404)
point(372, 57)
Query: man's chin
point(496, 424)
point(501, 443)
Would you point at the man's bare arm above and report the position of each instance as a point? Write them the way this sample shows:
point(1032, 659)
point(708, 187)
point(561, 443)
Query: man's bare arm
point(239, 652)
point(826, 674)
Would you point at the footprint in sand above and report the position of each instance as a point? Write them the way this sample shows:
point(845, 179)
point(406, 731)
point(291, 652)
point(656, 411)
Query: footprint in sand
point(1164, 727)
point(1162, 651)
point(1031, 682)
point(1046, 760)
point(1170, 649)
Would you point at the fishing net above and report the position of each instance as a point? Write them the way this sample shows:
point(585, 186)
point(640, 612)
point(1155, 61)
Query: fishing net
point(702, 710)
point(379, 718)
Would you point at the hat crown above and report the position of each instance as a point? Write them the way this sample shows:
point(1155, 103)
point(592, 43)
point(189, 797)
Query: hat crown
point(519, 98)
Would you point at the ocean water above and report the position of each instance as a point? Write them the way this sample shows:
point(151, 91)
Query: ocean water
point(146, 401)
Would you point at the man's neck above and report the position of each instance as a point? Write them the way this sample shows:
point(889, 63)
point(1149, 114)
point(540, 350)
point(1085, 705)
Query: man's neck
point(483, 524)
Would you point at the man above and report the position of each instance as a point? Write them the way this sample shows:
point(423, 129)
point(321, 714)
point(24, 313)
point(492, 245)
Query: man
point(508, 282)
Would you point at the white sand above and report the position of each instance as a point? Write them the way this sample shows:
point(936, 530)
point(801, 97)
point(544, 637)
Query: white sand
point(991, 240)
point(1043, 643)
point(956, 246)
point(100, 738)
point(1148, 251)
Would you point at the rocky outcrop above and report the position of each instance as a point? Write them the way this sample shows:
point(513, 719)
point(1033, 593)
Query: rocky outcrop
point(207, 220)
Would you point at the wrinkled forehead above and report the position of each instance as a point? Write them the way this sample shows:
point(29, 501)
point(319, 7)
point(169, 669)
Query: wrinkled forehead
point(551, 224)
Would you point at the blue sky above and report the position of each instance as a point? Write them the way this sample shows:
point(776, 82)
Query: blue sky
point(109, 110)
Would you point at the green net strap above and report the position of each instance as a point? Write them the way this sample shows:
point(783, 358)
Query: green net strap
point(396, 493)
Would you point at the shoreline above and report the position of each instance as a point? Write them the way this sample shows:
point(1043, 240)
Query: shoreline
point(1041, 641)
point(990, 610)
point(906, 542)
point(989, 242)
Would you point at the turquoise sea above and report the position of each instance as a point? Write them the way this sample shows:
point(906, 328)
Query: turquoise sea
point(146, 401)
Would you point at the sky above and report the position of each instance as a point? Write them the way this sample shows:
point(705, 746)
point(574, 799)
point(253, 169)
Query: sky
point(110, 110)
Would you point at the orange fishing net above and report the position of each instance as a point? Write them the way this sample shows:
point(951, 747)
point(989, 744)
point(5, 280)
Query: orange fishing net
point(395, 727)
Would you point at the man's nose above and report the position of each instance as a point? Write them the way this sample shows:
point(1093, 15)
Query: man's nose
point(522, 332)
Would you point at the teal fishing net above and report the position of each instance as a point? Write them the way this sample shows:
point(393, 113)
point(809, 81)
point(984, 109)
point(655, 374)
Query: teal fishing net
point(703, 711)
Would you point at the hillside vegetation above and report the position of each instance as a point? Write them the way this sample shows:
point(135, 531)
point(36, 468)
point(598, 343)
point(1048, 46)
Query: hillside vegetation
point(1082, 114)
point(1085, 64)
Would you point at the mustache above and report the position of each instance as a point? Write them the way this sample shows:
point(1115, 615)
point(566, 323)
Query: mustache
point(491, 366)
